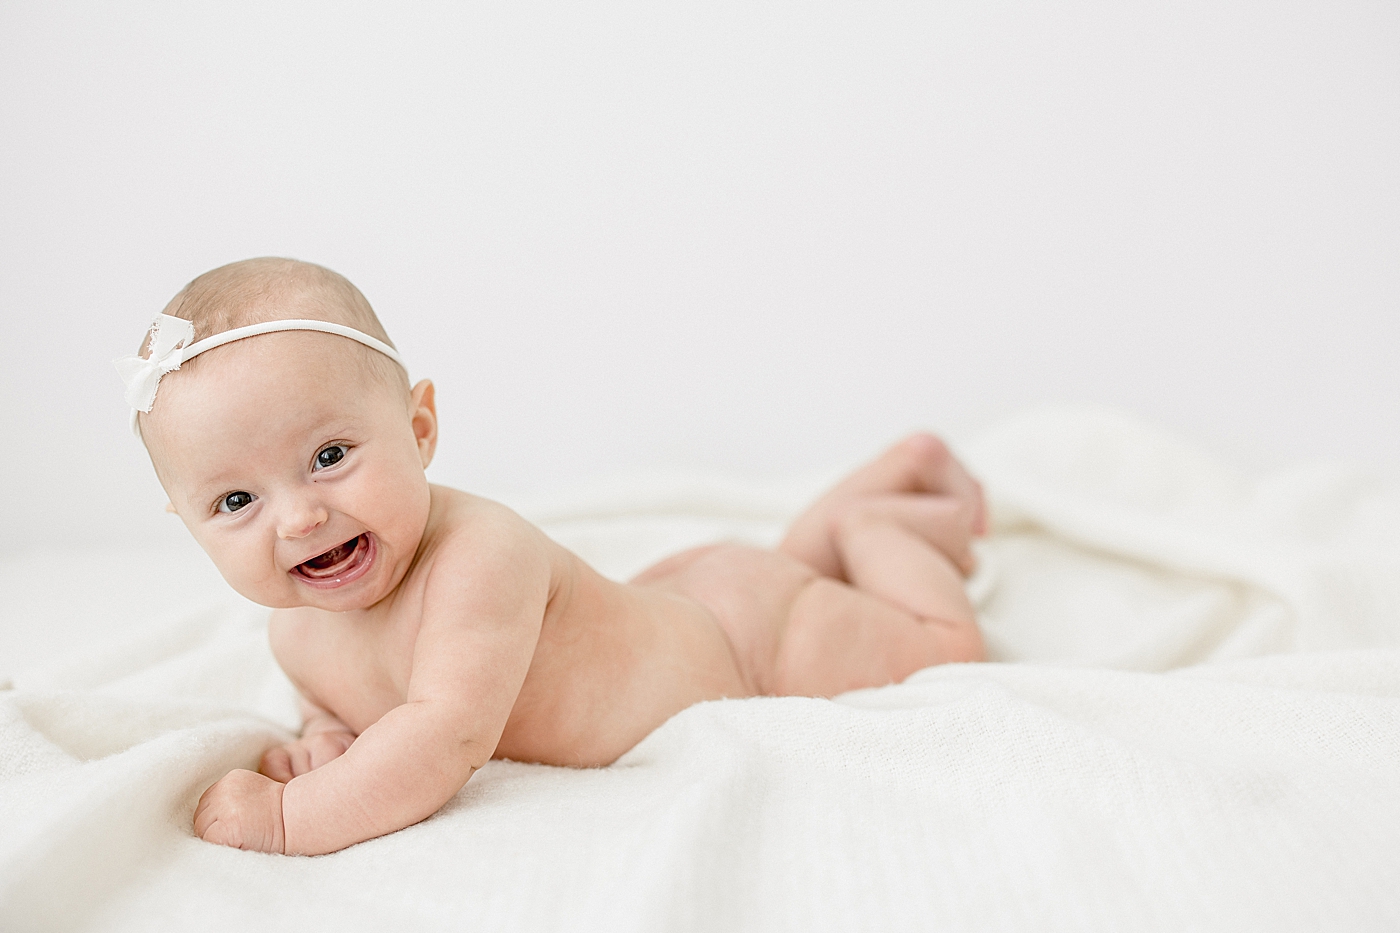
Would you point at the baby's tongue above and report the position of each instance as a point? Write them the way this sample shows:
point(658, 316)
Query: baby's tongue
point(336, 555)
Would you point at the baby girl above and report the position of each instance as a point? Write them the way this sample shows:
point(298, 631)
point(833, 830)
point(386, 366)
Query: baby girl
point(429, 630)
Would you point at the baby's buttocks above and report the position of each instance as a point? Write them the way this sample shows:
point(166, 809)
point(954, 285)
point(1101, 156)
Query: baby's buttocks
point(750, 592)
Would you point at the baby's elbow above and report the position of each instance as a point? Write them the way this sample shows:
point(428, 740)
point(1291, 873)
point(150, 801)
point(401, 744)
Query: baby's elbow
point(474, 753)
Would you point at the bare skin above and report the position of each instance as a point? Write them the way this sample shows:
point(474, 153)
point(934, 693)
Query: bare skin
point(430, 630)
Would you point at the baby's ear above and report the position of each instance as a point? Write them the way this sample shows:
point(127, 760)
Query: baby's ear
point(423, 417)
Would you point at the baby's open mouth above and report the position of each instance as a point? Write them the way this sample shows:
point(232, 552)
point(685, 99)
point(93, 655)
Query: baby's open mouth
point(340, 564)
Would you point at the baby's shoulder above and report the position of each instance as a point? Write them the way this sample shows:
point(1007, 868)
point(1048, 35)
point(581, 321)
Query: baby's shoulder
point(468, 526)
point(476, 538)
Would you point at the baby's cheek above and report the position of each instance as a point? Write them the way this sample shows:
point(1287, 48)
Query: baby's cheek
point(253, 575)
point(400, 499)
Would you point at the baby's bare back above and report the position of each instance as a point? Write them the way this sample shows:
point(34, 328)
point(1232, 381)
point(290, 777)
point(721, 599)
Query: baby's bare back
point(612, 663)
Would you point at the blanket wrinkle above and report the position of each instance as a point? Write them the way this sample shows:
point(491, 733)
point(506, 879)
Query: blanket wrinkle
point(1192, 722)
point(61, 857)
point(692, 858)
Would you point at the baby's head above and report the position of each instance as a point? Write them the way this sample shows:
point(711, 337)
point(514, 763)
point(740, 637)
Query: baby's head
point(295, 458)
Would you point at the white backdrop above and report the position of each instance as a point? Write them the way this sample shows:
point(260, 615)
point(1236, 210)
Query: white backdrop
point(719, 236)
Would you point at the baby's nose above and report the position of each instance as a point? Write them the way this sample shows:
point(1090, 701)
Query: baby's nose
point(300, 520)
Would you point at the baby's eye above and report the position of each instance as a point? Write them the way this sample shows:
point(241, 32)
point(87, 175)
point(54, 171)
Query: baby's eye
point(330, 456)
point(235, 501)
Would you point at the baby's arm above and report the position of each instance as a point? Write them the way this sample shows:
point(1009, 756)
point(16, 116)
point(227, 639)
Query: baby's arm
point(323, 738)
point(482, 611)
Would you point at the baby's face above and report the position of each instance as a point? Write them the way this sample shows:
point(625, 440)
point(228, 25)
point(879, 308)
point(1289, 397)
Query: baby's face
point(298, 471)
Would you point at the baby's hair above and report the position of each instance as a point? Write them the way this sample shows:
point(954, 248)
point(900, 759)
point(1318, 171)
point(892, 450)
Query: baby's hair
point(269, 289)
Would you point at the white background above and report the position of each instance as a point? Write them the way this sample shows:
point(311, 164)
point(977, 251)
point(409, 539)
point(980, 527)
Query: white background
point(749, 238)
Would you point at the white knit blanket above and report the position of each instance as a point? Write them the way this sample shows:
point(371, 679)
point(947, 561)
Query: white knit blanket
point(1195, 725)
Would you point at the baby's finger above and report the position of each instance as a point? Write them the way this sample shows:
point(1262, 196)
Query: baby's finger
point(203, 813)
point(222, 834)
point(277, 764)
point(299, 758)
point(327, 747)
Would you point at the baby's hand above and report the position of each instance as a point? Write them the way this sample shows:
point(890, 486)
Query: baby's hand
point(305, 754)
point(243, 810)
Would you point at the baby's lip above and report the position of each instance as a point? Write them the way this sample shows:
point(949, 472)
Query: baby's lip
point(342, 564)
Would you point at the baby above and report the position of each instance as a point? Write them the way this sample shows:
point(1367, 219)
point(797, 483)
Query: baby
point(429, 630)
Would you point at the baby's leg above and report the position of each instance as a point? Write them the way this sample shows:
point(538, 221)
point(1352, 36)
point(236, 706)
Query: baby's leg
point(917, 484)
point(883, 556)
point(904, 610)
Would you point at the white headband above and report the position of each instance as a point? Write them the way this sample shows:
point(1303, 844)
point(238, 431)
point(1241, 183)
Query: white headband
point(169, 335)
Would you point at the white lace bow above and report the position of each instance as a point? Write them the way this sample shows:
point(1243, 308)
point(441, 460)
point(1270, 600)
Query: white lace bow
point(169, 336)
